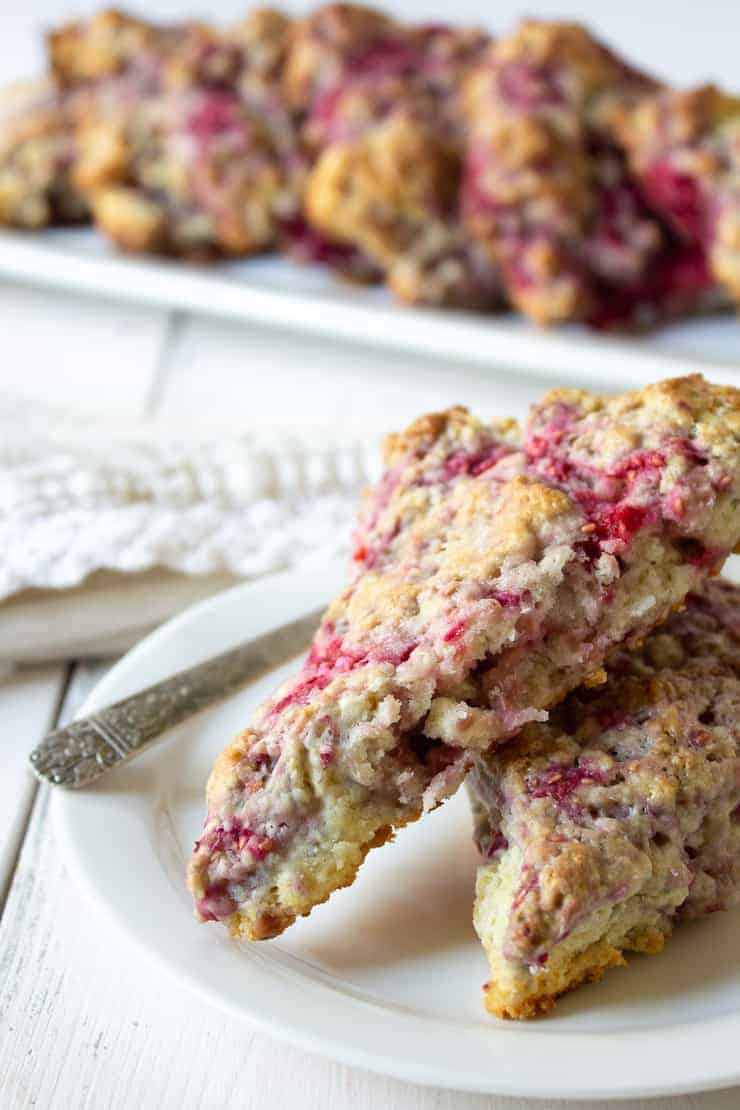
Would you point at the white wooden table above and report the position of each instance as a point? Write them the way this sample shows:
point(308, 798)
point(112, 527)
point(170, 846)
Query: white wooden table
point(83, 1022)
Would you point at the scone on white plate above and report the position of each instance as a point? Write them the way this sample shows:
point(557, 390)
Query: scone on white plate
point(617, 818)
point(491, 579)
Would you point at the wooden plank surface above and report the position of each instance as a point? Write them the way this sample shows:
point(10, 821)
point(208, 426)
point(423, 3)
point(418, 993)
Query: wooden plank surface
point(86, 354)
point(254, 377)
point(28, 704)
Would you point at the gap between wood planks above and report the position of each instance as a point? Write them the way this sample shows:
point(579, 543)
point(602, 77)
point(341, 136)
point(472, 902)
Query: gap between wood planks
point(6, 881)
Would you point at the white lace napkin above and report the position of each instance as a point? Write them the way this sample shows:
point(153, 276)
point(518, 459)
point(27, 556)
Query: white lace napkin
point(79, 495)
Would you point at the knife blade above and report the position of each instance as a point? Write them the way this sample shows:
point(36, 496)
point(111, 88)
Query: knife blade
point(80, 753)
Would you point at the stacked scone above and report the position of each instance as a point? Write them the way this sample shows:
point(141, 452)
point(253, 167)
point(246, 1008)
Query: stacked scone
point(530, 610)
point(535, 169)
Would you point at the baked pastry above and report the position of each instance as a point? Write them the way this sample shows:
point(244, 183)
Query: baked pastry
point(490, 580)
point(177, 140)
point(37, 151)
point(617, 818)
point(388, 137)
point(547, 191)
point(194, 173)
point(684, 148)
point(324, 46)
point(110, 43)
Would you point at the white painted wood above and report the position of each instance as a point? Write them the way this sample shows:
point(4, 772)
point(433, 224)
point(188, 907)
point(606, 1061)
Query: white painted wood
point(28, 703)
point(64, 349)
point(270, 378)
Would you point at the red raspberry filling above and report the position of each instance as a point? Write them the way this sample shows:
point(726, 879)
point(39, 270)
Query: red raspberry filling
point(215, 113)
point(558, 783)
point(475, 464)
point(678, 196)
point(619, 501)
point(306, 244)
point(216, 903)
point(236, 838)
point(528, 87)
point(330, 656)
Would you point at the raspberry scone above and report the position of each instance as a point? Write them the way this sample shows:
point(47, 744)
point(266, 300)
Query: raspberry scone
point(684, 148)
point(392, 194)
point(193, 172)
point(548, 193)
point(37, 152)
point(384, 130)
point(490, 580)
point(183, 147)
point(617, 818)
point(105, 63)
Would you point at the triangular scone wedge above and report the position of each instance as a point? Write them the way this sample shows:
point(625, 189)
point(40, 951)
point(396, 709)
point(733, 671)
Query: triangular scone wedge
point(489, 582)
point(618, 817)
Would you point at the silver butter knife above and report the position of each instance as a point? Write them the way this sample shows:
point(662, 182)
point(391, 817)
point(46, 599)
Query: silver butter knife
point(83, 751)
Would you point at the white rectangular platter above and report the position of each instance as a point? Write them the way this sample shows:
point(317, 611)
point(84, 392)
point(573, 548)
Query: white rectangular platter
point(275, 292)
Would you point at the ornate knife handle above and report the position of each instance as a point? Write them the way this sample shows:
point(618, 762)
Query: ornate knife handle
point(83, 751)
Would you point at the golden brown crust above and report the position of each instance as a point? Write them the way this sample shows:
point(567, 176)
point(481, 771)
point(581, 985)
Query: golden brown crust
point(615, 818)
point(320, 43)
point(37, 149)
point(380, 191)
point(86, 51)
point(588, 968)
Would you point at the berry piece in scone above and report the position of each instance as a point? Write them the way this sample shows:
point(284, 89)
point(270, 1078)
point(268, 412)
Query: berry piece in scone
point(110, 61)
point(490, 580)
point(548, 194)
point(325, 44)
point(619, 817)
point(684, 149)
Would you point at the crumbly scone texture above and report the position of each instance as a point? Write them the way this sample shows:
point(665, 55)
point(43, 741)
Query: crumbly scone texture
point(84, 51)
point(324, 43)
point(548, 193)
point(108, 62)
point(618, 817)
point(490, 579)
point(37, 149)
point(192, 172)
point(684, 148)
point(387, 133)
point(197, 160)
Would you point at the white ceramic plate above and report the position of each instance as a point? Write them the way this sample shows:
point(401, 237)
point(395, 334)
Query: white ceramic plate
point(276, 292)
point(387, 975)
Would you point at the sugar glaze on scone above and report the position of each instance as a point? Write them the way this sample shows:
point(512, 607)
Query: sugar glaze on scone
point(618, 817)
point(490, 581)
